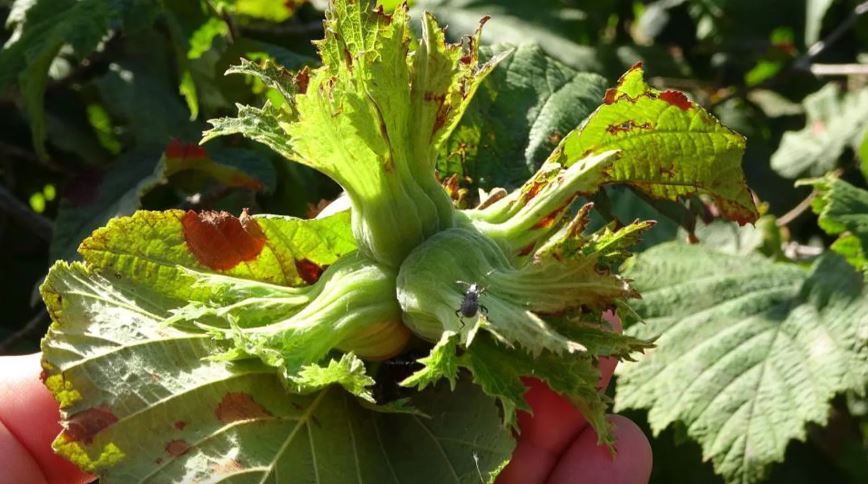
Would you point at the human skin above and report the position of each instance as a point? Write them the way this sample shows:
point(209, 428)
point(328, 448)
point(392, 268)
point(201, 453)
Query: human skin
point(555, 446)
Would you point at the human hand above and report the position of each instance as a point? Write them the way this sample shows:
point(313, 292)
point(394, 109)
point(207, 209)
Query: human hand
point(557, 446)
point(29, 421)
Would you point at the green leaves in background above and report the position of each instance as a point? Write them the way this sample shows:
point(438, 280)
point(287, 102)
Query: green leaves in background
point(843, 210)
point(97, 197)
point(835, 121)
point(749, 351)
point(815, 11)
point(518, 22)
point(43, 28)
point(519, 114)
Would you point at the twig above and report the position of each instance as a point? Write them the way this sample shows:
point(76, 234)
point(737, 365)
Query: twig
point(820, 70)
point(12, 151)
point(22, 214)
point(804, 62)
point(796, 211)
point(796, 251)
point(32, 328)
point(805, 204)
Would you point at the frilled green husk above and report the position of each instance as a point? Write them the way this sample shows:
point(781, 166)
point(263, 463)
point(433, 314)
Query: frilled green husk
point(351, 308)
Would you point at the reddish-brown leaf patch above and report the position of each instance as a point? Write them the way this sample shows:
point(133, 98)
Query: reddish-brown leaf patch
point(553, 216)
point(302, 79)
point(180, 424)
point(676, 98)
point(185, 151)
point(526, 249)
point(239, 406)
point(177, 447)
point(221, 241)
point(308, 270)
point(84, 425)
point(610, 96)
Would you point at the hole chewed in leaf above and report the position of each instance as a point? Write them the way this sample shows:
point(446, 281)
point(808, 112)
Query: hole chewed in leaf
point(237, 406)
point(627, 126)
point(84, 425)
point(308, 270)
point(676, 98)
point(221, 241)
point(177, 447)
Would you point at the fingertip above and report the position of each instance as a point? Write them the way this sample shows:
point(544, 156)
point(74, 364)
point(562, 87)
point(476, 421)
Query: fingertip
point(555, 421)
point(530, 464)
point(586, 462)
point(32, 417)
point(608, 364)
point(613, 320)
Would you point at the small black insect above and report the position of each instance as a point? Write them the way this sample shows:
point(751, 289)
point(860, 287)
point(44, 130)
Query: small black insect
point(470, 305)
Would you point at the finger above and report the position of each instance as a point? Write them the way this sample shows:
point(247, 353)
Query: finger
point(587, 463)
point(555, 423)
point(608, 364)
point(31, 418)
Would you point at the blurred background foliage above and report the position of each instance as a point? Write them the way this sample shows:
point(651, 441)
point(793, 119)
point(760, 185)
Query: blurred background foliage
point(102, 103)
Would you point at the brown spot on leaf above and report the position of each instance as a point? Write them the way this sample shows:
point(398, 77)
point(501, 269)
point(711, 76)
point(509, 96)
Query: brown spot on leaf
point(526, 249)
point(666, 171)
point(301, 80)
point(533, 190)
point(84, 425)
point(237, 406)
point(626, 126)
point(676, 98)
point(581, 220)
point(158, 461)
point(553, 216)
point(308, 270)
point(221, 241)
point(180, 424)
point(177, 447)
point(348, 59)
point(610, 96)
